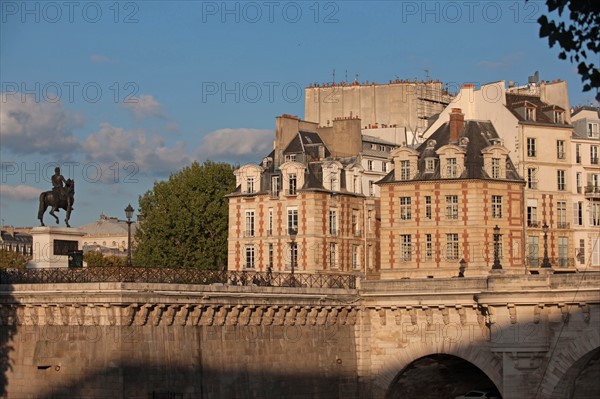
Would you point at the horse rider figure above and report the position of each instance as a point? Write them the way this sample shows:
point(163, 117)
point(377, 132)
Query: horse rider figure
point(58, 186)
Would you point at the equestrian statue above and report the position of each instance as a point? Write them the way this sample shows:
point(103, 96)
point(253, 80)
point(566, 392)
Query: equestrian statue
point(62, 196)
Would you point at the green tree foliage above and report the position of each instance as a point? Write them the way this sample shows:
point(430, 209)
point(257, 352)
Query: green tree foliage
point(11, 259)
point(185, 219)
point(96, 259)
point(578, 36)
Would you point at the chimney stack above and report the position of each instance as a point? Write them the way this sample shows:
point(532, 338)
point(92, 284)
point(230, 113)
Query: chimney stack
point(457, 122)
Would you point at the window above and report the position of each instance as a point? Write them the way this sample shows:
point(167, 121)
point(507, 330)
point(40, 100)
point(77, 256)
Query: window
point(581, 252)
point(593, 132)
point(531, 147)
point(495, 168)
point(292, 184)
point(355, 256)
point(250, 185)
point(249, 224)
point(560, 180)
point(563, 251)
point(250, 256)
point(405, 248)
point(594, 155)
point(355, 227)
point(290, 158)
point(451, 168)
point(595, 251)
point(428, 207)
point(595, 215)
point(333, 221)
point(533, 251)
point(452, 207)
point(531, 178)
point(429, 165)
point(561, 215)
point(369, 165)
point(560, 149)
point(558, 117)
point(404, 170)
point(270, 223)
point(371, 188)
point(578, 153)
point(529, 114)
point(532, 216)
point(578, 182)
point(332, 255)
point(405, 211)
point(428, 247)
point(271, 255)
point(292, 220)
point(275, 187)
point(578, 213)
point(384, 166)
point(496, 206)
point(370, 220)
point(332, 181)
point(452, 246)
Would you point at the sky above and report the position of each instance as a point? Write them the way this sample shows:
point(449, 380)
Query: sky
point(121, 94)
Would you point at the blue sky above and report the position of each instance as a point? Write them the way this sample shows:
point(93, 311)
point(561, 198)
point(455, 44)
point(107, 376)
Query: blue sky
point(121, 94)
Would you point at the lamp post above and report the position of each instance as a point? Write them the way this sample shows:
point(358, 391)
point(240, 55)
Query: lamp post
point(496, 264)
point(293, 234)
point(129, 213)
point(545, 261)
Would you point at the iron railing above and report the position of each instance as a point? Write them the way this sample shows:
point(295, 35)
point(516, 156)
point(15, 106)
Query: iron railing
point(175, 276)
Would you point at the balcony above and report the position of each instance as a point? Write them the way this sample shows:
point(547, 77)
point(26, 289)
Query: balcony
point(554, 262)
point(334, 232)
point(533, 224)
point(562, 225)
point(592, 192)
point(291, 191)
point(594, 161)
point(249, 233)
point(274, 194)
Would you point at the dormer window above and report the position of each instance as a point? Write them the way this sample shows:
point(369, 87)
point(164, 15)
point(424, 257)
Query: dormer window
point(451, 168)
point(559, 117)
point(495, 168)
point(290, 158)
point(404, 170)
point(529, 113)
point(250, 185)
point(593, 131)
point(429, 165)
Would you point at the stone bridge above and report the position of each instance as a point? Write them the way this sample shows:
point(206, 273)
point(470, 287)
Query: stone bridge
point(528, 336)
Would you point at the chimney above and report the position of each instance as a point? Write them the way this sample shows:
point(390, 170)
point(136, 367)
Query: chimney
point(457, 122)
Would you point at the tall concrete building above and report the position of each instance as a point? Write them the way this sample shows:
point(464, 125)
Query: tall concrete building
point(397, 104)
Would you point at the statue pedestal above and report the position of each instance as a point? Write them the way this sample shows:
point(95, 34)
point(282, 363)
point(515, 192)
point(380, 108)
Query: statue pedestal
point(51, 246)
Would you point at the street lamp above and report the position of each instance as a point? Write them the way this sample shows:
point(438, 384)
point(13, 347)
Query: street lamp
point(545, 261)
point(129, 214)
point(293, 234)
point(496, 264)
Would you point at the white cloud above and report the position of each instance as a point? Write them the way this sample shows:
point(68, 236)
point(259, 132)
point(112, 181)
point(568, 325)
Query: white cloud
point(29, 127)
point(144, 106)
point(150, 153)
point(242, 143)
point(20, 192)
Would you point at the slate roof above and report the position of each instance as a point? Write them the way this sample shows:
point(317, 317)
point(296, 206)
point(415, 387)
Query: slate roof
point(514, 101)
point(107, 226)
point(480, 135)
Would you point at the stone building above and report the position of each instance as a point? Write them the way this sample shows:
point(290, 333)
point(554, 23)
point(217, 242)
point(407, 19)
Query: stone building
point(534, 123)
point(16, 240)
point(442, 201)
point(585, 146)
point(107, 235)
point(306, 207)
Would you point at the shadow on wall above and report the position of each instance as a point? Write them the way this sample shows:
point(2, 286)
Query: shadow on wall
point(8, 328)
point(132, 381)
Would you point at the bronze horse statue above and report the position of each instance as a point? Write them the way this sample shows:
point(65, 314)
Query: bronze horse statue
point(64, 201)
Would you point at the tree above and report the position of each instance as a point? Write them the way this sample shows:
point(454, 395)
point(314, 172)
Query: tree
point(185, 219)
point(578, 37)
point(11, 259)
point(97, 259)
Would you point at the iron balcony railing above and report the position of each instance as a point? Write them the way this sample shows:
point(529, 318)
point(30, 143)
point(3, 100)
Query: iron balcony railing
point(554, 262)
point(175, 276)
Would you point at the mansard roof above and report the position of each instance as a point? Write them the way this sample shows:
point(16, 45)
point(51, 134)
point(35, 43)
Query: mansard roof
point(479, 135)
point(514, 101)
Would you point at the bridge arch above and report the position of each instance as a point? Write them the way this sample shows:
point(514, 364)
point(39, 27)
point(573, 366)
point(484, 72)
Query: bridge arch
point(449, 374)
point(476, 354)
point(569, 363)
